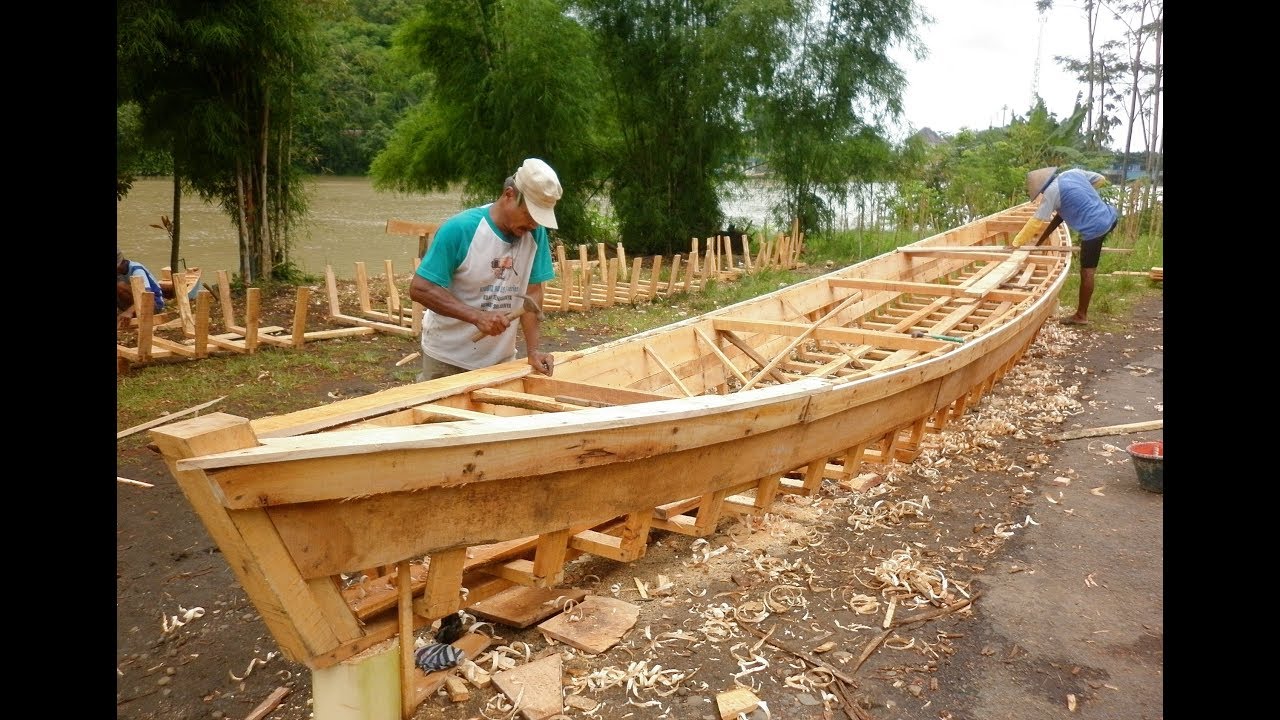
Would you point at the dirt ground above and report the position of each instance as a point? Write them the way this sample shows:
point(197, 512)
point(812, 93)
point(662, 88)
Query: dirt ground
point(1023, 578)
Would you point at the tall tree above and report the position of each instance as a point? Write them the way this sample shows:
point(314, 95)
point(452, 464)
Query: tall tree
point(508, 80)
point(819, 120)
point(215, 83)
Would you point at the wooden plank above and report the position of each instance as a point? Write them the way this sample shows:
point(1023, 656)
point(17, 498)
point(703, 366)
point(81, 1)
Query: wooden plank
point(1001, 274)
point(168, 418)
point(663, 364)
point(920, 288)
point(521, 606)
point(597, 624)
point(1108, 430)
point(526, 401)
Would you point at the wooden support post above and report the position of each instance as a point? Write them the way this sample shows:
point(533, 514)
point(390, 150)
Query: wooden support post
point(654, 271)
point(201, 333)
point(549, 558)
point(566, 282)
point(852, 461)
point(404, 582)
point(393, 295)
point(673, 281)
point(252, 312)
point(746, 252)
point(633, 290)
point(622, 262)
point(299, 334)
point(584, 272)
point(331, 284)
point(442, 596)
point(144, 307)
point(224, 298)
point(362, 287)
point(709, 512)
point(611, 282)
point(180, 290)
point(694, 254)
point(767, 490)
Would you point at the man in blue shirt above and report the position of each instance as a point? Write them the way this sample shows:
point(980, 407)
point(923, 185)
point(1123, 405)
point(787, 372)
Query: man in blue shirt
point(480, 263)
point(1071, 195)
point(125, 269)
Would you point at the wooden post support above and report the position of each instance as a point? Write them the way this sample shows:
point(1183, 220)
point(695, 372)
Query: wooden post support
point(633, 290)
point(299, 334)
point(362, 287)
point(654, 272)
point(584, 273)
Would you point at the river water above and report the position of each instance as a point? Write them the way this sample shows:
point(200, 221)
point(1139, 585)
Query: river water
point(346, 224)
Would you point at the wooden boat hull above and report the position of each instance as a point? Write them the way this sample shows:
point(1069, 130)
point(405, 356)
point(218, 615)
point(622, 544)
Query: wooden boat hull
point(499, 476)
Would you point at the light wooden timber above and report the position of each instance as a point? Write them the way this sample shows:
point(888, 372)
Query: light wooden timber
point(770, 396)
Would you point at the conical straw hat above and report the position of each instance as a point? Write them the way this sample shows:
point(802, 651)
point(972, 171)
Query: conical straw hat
point(1037, 179)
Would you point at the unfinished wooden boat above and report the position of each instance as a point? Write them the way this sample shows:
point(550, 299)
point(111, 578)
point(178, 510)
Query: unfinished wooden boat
point(455, 489)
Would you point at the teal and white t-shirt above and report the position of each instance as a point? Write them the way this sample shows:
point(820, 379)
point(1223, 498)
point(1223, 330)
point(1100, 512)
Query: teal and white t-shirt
point(473, 259)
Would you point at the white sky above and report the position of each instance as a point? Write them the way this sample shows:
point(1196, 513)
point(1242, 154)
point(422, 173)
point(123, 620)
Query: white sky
point(981, 63)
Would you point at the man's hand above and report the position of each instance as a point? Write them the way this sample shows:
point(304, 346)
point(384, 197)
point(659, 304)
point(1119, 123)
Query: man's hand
point(1029, 232)
point(543, 363)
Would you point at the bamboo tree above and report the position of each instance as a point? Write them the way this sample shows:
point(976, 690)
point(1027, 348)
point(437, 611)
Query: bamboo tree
point(211, 80)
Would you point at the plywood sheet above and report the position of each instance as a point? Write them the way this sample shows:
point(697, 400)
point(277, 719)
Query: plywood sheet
point(519, 606)
point(593, 626)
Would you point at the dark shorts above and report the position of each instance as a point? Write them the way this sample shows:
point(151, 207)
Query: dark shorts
point(1091, 250)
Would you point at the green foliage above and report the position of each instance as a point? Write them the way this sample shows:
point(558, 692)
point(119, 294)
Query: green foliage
point(216, 85)
point(818, 119)
point(358, 91)
point(508, 82)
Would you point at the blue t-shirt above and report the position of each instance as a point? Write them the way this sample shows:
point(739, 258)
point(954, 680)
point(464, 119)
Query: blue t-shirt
point(1071, 194)
point(149, 281)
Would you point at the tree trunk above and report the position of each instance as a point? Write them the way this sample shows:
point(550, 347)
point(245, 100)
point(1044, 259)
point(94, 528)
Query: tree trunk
point(175, 236)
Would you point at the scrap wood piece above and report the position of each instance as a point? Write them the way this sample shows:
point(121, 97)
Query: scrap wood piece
point(271, 703)
point(127, 481)
point(166, 418)
point(1108, 430)
point(520, 606)
point(734, 702)
point(595, 625)
point(536, 687)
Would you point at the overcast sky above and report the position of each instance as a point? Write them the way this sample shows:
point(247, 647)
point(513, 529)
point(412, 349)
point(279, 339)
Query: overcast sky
point(981, 63)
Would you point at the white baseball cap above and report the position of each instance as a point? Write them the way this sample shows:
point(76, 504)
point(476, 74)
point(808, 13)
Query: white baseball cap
point(541, 189)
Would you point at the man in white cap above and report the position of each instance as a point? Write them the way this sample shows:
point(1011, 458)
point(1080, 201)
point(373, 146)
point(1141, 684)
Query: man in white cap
point(479, 266)
point(1071, 195)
